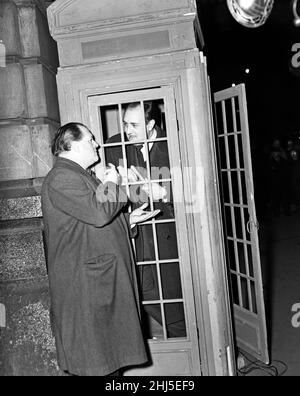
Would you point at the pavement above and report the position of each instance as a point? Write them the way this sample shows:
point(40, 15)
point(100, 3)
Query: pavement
point(280, 259)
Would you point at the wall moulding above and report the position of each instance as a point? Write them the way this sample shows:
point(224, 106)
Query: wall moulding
point(74, 16)
point(90, 32)
point(29, 122)
point(177, 60)
point(31, 3)
point(37, 60)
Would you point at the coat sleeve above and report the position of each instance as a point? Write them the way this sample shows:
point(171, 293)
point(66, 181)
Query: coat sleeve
point(70, 194)
point(133, 232)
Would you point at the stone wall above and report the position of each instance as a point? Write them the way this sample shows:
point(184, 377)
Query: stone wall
point(29, 116)
point(28, 103)
point(27, 346)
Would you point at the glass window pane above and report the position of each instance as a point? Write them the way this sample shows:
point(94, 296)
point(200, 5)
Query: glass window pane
point(253, 293)
point(246, 218)
point(232, 152)
point(231, 255)
point(167, 241)
point(238, 223)
point(245, 295)
point(136, 158)
point(152, 322)
point(219, 118)
point(241, 153)
point(222, 153)
point(234, 288)
point(242, 259)
point(238, 114)
point(109, 122)
point(250, 260)
point(167, 211)
point(228, 221)
point(171, 281)
point(235, 187)
point(148, 282)
point(229, 117)
point(225, 187)
point(244, 188)
point(159, 159)
point(145, 250)
point(175, 321)
point(112, 155)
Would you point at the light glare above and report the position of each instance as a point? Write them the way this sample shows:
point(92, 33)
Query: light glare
point(246, 4)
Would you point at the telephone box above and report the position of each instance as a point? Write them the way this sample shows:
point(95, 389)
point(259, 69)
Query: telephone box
point(113, 53)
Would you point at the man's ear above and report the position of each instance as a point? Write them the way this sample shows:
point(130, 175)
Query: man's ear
point(150, 125)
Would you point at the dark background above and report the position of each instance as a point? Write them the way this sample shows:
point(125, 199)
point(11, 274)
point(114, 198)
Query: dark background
point(273, 87)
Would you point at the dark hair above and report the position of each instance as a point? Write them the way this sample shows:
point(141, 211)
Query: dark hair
point(64, 136)
point(151, 110)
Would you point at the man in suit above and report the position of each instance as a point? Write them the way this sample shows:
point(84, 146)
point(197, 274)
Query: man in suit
point(91, 268)
point(152, 159)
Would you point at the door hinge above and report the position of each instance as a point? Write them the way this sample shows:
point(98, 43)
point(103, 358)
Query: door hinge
point(2, 315)
point(231, 370)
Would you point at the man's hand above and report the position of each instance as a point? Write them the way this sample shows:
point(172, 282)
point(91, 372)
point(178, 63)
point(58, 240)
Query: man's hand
point(111, 175)
point(100, 171)
point(158, 192)
point(140, 215)
point(127, 175)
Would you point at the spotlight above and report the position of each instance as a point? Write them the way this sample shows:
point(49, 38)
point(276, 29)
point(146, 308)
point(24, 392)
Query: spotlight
point(251, 13)
point(296, 15)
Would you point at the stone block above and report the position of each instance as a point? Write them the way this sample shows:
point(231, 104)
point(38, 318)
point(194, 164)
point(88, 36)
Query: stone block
point(48, 46)
point(29, 34)
point(9, 28)
point(51, 94)
point(41, 144)
point(12, 87)
point(21, 188)
point(41, 91)
point(25, 151)
point(22, 256)
point(27, 346)
point(35, 90)
point(20, 208)
point(16, 160)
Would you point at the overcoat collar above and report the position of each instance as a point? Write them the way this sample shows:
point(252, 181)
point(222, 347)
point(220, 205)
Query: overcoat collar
point(67, 163)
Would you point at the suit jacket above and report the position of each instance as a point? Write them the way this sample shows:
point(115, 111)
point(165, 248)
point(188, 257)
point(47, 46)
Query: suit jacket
point(166, 234)
point(93, 288)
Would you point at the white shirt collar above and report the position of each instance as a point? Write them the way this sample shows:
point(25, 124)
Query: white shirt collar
point(143, 149)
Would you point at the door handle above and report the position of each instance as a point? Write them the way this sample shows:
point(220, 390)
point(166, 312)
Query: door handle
point(252, 224)
point(249, 227)
point(257, 225)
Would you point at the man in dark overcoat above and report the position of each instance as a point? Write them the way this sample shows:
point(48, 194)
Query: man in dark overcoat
point(136, 131)
point(92, 275)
